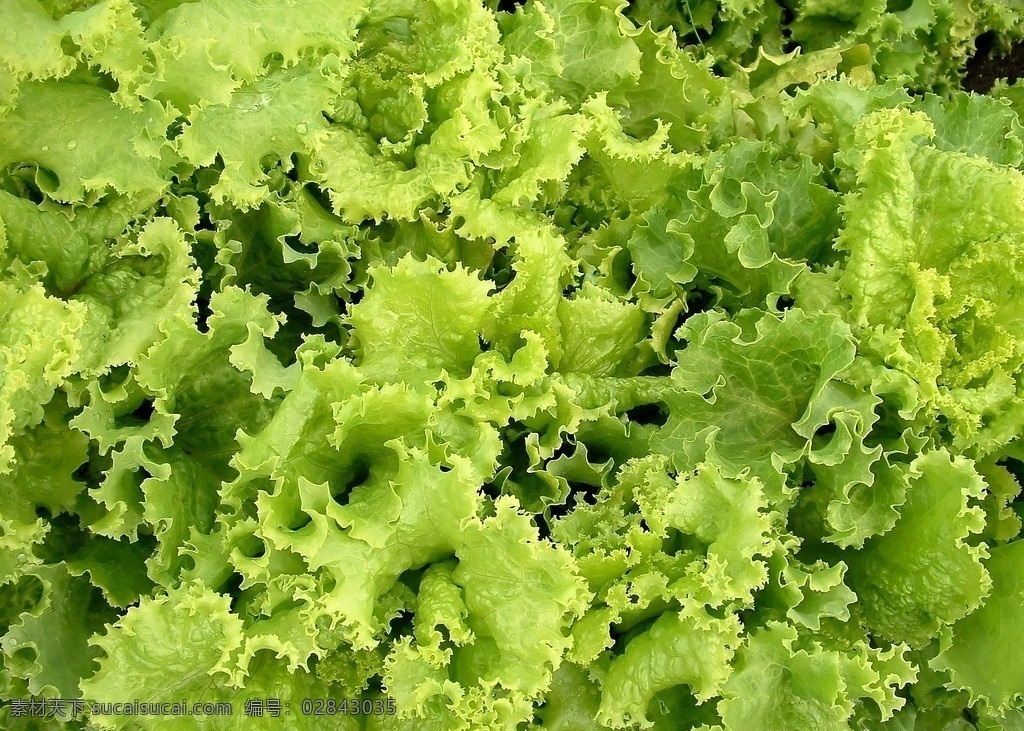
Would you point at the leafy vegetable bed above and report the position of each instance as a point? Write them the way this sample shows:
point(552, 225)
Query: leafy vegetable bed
point(570, 366)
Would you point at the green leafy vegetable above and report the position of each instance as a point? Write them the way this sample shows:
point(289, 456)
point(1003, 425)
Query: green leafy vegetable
point(447, 364)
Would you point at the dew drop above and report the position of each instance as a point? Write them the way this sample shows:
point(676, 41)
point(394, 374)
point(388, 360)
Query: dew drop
point(301, 128)
point(72, 145)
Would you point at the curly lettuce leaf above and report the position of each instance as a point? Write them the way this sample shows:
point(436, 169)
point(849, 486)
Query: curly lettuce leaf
point(781, 681)
point(73, 243)
point(923, 575)
point(51, 41)
point(418, 319)
point(50, 644)
point(70, 166)
point(40, 346)
point(149, 279)
point(192, 65)
point(979, 653)
point(743, 387)
point(274, 117)
point(138, 664)
point(691, 648)
point(577, 46)
point(924, 233)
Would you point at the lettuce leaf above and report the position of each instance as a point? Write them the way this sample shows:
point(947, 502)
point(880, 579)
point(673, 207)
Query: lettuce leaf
point(550, 365)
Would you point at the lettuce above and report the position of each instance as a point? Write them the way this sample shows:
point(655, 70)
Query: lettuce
point(570, 365)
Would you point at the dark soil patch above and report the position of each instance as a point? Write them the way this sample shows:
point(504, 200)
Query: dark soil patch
point(988, 64)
